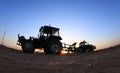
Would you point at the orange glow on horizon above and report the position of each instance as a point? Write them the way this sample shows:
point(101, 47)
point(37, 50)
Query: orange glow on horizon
point(63, 52)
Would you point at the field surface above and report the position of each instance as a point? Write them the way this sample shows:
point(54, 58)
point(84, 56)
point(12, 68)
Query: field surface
point(102, 61)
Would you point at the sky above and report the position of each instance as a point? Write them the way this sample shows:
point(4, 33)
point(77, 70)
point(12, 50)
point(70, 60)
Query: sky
point(96, 21)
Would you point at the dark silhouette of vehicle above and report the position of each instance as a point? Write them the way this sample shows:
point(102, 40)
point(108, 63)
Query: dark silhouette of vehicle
point(83, 47)
point(48, 39)
point(86, 47)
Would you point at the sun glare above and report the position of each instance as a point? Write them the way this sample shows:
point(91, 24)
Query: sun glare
point(63, 52)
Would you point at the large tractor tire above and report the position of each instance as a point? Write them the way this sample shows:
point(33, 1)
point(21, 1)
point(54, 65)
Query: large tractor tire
point(53, 47)
point(27, 47)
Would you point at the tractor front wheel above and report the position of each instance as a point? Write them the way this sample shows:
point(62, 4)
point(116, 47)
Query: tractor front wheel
point(27, 47)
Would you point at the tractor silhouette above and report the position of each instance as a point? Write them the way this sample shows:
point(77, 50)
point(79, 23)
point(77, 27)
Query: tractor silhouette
point(48, 39)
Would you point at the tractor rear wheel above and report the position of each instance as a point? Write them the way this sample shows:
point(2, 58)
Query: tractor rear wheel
point(53, 47)
point(27, 47)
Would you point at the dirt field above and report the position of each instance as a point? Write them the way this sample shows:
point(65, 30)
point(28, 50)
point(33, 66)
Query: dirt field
point(104, 61)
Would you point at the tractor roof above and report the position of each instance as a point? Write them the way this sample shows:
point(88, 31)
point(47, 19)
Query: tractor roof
point(48, 29)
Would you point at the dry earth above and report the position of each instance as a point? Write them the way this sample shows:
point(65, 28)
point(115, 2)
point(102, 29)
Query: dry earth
point(103, 61)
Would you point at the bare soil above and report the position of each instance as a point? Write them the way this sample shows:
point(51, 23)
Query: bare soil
point(103, 61)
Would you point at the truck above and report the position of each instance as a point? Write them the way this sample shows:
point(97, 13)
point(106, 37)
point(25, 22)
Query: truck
point(49, 40)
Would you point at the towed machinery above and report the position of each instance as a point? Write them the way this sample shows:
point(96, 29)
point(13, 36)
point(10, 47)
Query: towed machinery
point(48, 39)
point(86, 47)
point(82, 48)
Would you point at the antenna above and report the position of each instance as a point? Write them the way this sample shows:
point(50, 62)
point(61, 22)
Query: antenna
point(3, 37)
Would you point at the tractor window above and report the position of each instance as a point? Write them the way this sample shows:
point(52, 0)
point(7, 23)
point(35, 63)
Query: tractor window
point(49, 31)
point(55, 33)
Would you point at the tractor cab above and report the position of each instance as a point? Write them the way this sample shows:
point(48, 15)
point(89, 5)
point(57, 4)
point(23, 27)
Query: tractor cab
point(48, 31)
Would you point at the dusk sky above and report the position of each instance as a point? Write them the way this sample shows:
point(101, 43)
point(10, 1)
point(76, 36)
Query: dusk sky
point(96, 21)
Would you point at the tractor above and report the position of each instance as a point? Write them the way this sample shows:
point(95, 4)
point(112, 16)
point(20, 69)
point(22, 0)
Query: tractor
point(48, 40)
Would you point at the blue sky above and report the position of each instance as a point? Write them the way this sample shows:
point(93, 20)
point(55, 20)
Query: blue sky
point(96, 21)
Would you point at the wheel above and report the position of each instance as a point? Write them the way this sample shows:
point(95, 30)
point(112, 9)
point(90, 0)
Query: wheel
point(82, 48)
point(53, 47)
point(27, 47)
point(91, 50)
point(46, 50)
